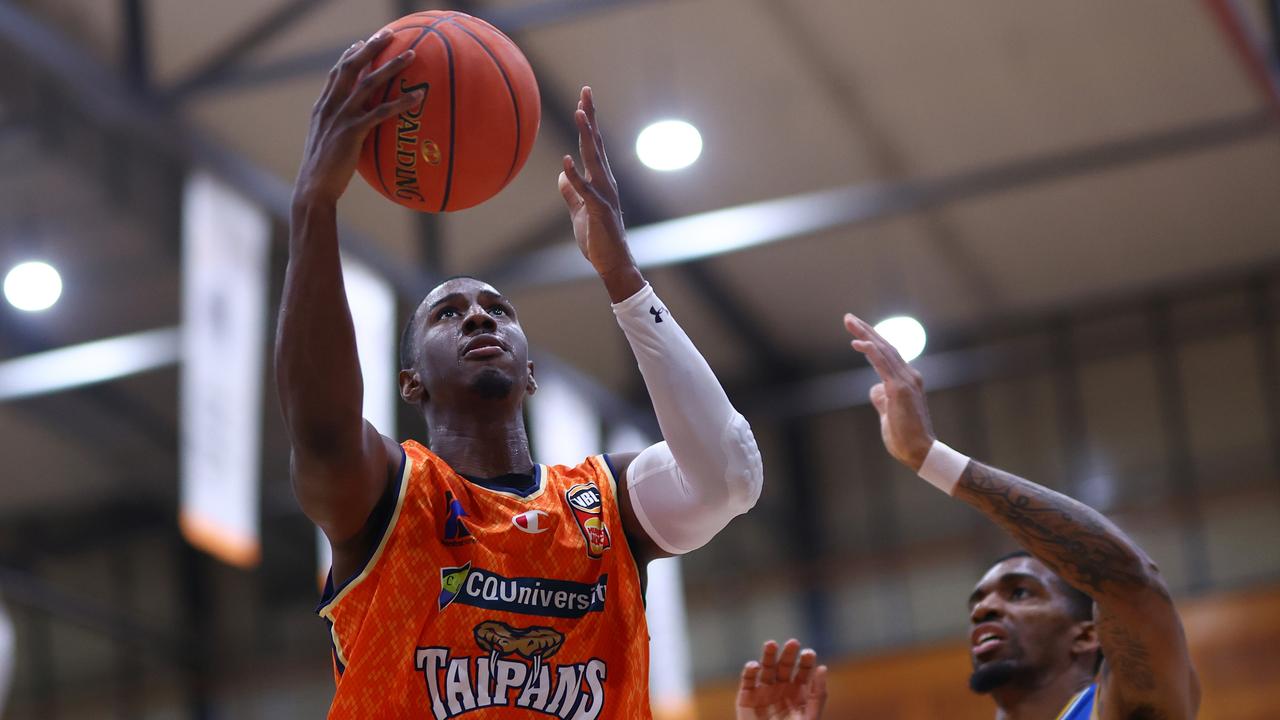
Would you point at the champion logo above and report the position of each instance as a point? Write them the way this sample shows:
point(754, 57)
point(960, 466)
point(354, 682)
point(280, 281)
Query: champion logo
point(532, 522)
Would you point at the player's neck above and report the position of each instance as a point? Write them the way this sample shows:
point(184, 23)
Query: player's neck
point(482, 446)
point(1044, 702)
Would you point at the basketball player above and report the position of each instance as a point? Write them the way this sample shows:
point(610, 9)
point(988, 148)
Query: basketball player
point(1044, 619)
point(782, 687)
point(468, 580)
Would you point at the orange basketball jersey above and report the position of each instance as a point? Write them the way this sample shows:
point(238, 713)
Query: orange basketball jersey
point(479, 603)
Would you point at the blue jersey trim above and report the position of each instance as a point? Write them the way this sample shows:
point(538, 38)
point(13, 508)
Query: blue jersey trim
point(380, 519)
point(1081, 707)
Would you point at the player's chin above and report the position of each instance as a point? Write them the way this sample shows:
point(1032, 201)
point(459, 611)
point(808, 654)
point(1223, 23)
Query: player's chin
point(492, 382)
point(990, 675)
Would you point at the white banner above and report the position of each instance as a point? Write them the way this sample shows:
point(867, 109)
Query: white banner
point(224, 302)
point(565, 427)
point(373, 313)
point(8, 651)
point(670, 674)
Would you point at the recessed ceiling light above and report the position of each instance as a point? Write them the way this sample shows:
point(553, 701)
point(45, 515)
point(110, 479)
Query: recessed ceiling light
point(904, 333)
point(32, 286)
point(669, 145)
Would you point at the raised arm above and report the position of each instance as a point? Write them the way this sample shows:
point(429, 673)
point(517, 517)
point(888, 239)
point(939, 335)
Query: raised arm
point(1147, 671)
point(676, 495)
point(339, 461)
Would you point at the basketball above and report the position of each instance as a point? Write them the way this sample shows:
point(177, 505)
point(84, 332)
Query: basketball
point(475, 126)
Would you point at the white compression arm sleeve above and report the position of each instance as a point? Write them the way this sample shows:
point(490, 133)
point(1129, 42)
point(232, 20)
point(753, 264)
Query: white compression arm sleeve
point(708, 470)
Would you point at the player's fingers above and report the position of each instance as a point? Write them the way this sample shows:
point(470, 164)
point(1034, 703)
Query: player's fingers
point(787, 661)
point(887, 349)
point(875, 355)
point(571, 197)
point(375, 80)
point(389, 109)
point(354, 63)
point(817, 694)
point(854, 325)
point(326, 94)
point(804, 668)
point(588, 148)
point(879, 398)
point(893, 359)
point(333, 71)
point(576, 182)
point(769, 663)
point(589, 107)
point(750, 676)
point(589, 103)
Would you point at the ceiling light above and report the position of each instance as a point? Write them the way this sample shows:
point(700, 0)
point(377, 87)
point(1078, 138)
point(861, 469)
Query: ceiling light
point(669, 145)
point(904, 333)
point(32, 286)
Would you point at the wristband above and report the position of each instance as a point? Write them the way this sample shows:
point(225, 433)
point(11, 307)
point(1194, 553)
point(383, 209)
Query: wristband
point(943, 467)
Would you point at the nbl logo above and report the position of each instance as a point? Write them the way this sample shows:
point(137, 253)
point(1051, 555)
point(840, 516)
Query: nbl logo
point(585, 502)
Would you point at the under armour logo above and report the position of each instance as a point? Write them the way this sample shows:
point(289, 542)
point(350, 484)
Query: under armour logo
point(656, 313)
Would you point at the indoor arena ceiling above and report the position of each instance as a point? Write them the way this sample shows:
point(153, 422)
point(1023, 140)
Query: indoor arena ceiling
point(999, 160)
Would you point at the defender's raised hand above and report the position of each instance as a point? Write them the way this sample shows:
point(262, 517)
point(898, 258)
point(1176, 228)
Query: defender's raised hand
point(342, 118)
point(591, 195)
point(788, 687)
point(899, 396)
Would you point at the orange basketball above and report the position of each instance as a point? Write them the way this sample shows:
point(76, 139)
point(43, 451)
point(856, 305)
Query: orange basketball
point(477, 122)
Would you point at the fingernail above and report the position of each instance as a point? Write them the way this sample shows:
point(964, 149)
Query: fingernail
point(407, 55)
point(380, 34)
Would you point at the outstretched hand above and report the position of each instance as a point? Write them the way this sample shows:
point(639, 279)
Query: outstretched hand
point(341, 118)
point(591, 195)
point(789, 687)
point(899, 396)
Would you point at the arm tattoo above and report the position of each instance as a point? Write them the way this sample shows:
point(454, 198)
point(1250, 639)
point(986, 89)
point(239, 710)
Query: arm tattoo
point(1127, 656)
point(1074, 540)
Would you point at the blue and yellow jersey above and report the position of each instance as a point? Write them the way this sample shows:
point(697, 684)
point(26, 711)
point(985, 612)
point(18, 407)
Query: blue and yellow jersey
point(1081, 706)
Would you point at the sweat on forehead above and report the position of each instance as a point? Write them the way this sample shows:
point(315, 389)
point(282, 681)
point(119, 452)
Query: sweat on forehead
point(457, 283)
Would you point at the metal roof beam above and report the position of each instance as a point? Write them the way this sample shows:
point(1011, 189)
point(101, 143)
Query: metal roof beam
point(137, 55)
point(718, 232)
point(1243, 40)
point(238, 76)
point(886, 156)
point(226, 60)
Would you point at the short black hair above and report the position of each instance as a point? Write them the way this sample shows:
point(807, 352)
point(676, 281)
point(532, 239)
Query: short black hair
point(1079, 604)
point(408, 334)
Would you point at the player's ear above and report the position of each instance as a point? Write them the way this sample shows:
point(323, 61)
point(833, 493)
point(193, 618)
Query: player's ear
point(1085, 638)
point(412, 390)
point(532, 387)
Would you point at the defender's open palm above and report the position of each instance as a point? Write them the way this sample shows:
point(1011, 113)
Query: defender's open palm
point(592, 196)
point(786, 687)
point(899, 396)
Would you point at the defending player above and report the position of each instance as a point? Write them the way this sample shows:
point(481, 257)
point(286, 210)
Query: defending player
point(1037, 638)
point(468, 580)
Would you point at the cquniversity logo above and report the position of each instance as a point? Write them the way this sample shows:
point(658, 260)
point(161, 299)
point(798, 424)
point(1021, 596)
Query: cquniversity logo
point(452, 580)
point(543, 597)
